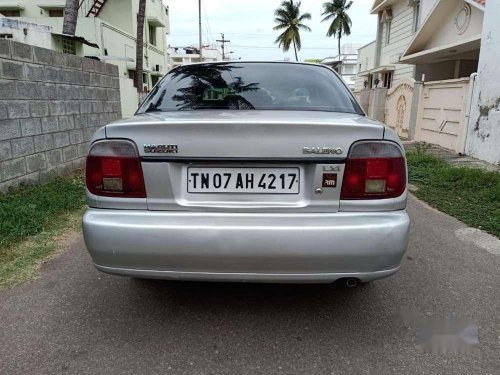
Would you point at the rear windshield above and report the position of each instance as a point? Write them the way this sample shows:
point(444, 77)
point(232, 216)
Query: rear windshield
point(247, 86)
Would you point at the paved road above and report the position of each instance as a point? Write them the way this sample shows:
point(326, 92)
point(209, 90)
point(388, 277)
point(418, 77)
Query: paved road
point(75, 320)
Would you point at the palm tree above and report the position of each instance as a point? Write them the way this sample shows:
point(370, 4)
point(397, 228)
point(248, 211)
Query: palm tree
point(341, 23)
point(70, 17)
point(288, 17)
point(139, 49)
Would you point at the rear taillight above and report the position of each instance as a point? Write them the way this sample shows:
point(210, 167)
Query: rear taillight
point(374, 170)
point(114, 170)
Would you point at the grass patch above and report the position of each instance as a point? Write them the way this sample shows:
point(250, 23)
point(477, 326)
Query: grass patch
point(21, 262)
point(33, 222)
point(31, 211)
point(471, 195)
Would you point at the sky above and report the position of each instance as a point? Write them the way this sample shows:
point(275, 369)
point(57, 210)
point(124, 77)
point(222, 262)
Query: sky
point(248, 24)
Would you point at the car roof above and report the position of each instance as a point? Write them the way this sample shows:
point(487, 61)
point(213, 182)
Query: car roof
point(254, 62)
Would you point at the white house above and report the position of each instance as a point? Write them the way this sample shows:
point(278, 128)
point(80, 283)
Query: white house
point(26, 32)
point(44, 36)
point(366, 63)
point(345, 64)
point(188, 55)
point(111, 26)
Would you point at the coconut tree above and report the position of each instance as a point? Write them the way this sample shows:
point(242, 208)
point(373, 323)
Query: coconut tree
point(289, 19)
point(336, 11)
point(139, 49)
point(70, 17)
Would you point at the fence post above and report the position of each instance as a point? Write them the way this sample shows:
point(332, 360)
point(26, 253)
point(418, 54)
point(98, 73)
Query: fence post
point(417, 90)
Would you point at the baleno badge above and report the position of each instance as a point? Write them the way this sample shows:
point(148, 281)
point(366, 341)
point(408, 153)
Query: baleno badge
point(322, 150)
point(161, 149)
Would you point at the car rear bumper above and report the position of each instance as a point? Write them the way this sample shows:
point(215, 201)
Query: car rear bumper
point(247, 247)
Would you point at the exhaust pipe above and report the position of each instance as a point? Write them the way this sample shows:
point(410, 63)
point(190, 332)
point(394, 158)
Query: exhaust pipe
point(351, 283)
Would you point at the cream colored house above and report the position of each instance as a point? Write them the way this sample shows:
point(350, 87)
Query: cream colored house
point(398, 21)
point(384, 85)
point(111, 25)
point(445, 52)
point(448, 43)
point(419, 76)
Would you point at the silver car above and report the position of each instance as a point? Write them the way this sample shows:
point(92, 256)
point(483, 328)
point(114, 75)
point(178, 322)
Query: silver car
point(248, 171)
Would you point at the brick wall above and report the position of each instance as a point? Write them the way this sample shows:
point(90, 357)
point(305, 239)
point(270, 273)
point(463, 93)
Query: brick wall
point(50, 106)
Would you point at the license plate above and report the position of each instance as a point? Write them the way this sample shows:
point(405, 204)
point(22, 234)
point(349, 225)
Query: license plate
point(244, 180)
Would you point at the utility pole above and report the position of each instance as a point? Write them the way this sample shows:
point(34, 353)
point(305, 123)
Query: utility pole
point(223, 42)
point(199, 29)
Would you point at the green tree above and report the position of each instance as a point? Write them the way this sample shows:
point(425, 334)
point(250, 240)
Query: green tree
point(288, 17)
point(139, 49)
point(336, 10)
point(70, 17)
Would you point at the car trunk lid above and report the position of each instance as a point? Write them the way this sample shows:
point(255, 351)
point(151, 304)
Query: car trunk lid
point(174, 145)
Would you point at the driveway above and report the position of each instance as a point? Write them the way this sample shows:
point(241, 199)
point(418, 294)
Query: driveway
point(75, 320)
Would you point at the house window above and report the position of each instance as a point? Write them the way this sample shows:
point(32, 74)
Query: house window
point(152, 35)
point(10, 13)
point(131, 75)
point(5, 36)
point(349, 69)
point(368, 82)
point(388, 80)
point(68, 46)
point(416, 16)
point(387, 32)
point(56, 13)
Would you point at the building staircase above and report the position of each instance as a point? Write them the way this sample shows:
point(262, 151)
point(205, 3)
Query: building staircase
point(91, 8)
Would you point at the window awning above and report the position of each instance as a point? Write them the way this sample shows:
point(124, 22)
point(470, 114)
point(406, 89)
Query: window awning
point(383, 69)
point(78, 39)
point(451, 31)
point(111, 58)
point(380, 69)
point(156, 21)
point(364, 73)
point(11, 5)
point(460, 49)
point(51, 4)
point(132, 67)
point(379, 5)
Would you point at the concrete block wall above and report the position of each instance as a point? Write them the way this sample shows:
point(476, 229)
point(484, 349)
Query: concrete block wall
point(50, 106)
